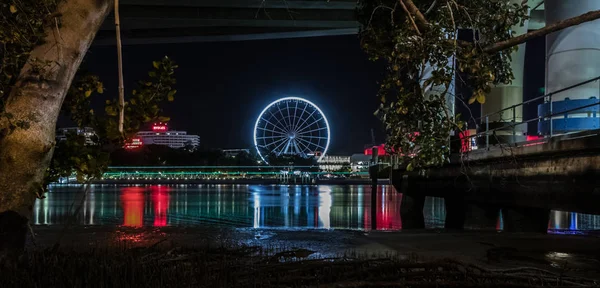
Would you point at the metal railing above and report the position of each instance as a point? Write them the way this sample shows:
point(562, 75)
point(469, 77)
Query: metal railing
point(547, 99)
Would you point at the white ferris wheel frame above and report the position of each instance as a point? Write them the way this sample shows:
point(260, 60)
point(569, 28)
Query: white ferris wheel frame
point(286, 99)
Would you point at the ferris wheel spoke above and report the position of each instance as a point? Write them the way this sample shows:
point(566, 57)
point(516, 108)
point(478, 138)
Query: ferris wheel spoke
point(299, 149)
point(278, 121)
point(307, 148)
point(310, 143)
point(271, 137)
point(287, 125)
point(294, 118)
point(276, 126)
point(299, 119)
point(310, 125)
point(287, 109)
point(311, 131)
point(270, 130)
point(266, 145)
point(301, 126)
point(277, 147)
point(312, 137)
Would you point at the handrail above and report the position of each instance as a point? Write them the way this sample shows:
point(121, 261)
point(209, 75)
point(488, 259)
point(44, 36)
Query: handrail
point(541, 97)
point(513, 124)
point(531, 120)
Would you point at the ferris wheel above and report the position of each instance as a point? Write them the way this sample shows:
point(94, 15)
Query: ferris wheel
point(291, 126)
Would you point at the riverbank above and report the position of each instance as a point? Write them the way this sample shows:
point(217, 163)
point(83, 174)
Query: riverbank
point(567, 255)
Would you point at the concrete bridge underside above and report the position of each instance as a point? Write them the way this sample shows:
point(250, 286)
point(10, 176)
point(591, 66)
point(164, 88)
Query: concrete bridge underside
point(182, 21)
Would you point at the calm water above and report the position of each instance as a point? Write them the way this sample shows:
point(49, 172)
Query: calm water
point(326, 207)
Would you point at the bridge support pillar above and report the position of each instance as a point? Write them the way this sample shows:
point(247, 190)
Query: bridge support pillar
point(526, 220)
point(482, 216)
point(411, 212)
point(455, 212)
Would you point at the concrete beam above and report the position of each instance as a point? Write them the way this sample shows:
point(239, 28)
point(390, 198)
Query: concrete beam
point(257, 4)
point(227, 38)
point(166, 23)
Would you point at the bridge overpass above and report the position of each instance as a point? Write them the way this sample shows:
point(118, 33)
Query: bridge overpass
point(182, 21)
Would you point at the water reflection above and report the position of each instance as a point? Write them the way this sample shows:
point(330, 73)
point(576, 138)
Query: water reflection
point(324, 207)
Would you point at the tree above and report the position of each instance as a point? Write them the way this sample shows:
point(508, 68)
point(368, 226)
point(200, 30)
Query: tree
point(419, 43)
point(43, 44)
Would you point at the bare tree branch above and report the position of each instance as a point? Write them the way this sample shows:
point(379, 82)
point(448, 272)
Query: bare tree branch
point(412, 8)
point(410, 17)
point(587, 17)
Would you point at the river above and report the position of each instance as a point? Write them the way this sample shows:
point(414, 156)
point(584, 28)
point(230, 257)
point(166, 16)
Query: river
point(253, 206)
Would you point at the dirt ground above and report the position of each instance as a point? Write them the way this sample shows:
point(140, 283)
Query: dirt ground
point(575, 255)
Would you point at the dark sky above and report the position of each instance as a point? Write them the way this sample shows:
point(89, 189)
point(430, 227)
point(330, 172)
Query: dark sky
point(222, 87)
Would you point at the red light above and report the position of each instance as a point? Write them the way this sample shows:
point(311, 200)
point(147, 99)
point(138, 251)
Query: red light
point(134, 144)
point(160, 127)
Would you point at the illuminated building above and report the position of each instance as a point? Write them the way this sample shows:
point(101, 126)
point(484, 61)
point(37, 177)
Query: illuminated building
point(134, 143)
point(360, 162)
point(61, 133)
point(161, 135)
point(333, 163)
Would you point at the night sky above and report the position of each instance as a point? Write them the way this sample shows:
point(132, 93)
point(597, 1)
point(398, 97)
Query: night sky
point(223, 86)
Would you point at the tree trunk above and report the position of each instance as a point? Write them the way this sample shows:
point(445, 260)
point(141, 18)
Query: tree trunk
point(37, 98)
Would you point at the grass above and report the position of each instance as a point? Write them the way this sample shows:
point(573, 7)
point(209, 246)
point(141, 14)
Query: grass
point(167, 265)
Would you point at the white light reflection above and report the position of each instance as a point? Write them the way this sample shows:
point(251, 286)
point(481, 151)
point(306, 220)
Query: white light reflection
point(324, 207)
point(256, 210)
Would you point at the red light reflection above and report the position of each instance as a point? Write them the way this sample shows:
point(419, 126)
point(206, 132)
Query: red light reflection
point(160, 201)
point(388, 210)
point(132, 199)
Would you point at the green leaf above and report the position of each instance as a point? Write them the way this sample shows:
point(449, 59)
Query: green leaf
point(164, 119)
point(13, 9)
point(472, 100)
point(481, 98)
point(171, 95)
point(88, 93)
point(156, 64)
point(409, 167)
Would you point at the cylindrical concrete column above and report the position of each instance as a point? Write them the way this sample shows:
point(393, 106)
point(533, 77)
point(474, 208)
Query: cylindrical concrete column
point(504, 96)
point(572, 57)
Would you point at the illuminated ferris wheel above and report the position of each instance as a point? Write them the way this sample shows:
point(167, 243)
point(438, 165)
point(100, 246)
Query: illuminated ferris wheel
point(291, 126)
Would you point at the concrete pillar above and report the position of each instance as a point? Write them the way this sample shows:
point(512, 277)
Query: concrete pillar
point(481, 216)
point(572, 57)
point(455, 212)
point(411, 212)
point(526, 220)
point(504, 96)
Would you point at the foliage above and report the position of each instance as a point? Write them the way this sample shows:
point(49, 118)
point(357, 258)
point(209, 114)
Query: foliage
point(90, 161)
point(421, 57)
point(22, 24)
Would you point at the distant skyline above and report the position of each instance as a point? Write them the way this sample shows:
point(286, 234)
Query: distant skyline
point(223, 86)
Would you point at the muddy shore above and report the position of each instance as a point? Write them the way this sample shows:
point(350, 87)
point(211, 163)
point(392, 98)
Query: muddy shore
point(576, 255)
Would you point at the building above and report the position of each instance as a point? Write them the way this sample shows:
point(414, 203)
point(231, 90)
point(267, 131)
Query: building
point(161, 135)
point(61, 133)
point(360, 162)
point(333, 163)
